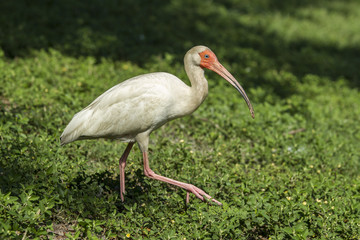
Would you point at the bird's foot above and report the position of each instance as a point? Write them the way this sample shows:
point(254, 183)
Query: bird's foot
point(199, 194)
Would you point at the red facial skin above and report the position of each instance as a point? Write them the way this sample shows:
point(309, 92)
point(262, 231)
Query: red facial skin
point(209, 61)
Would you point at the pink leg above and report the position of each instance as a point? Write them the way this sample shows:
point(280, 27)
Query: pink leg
point(188, 187)
point(122, 164)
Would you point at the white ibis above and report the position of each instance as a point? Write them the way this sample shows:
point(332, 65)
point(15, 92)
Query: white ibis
point(131, 110)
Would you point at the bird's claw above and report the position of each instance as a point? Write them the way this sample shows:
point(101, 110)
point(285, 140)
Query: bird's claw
point(199, 194)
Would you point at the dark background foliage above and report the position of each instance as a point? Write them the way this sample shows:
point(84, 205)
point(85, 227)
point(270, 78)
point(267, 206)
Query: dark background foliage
point(292, 172)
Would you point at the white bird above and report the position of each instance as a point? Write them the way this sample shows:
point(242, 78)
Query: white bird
point(131, 110)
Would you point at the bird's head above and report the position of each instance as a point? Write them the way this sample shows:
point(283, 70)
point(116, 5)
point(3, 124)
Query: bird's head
point(205, 58)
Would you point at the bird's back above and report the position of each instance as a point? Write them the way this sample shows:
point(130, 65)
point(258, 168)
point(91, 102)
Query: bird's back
point(139, 104)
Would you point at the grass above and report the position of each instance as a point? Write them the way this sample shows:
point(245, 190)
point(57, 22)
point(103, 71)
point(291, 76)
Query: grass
point(292, 172)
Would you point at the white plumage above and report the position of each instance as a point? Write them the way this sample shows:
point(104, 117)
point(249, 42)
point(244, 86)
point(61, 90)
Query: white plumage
point(131, 110)
point(140, 104)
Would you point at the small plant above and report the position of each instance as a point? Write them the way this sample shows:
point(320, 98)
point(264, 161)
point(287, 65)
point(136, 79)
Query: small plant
point(291, 173)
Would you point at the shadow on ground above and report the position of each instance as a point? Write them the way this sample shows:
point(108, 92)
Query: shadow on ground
point(124, 30)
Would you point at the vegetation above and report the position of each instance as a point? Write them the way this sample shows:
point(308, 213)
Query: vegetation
point(292, 172)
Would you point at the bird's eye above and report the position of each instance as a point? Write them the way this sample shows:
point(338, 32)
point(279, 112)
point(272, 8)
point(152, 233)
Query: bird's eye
point(206, 56)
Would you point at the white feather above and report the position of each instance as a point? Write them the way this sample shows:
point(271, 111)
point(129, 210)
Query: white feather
point(140, 104)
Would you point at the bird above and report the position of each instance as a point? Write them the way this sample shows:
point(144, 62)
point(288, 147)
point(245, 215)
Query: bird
point(134, 108)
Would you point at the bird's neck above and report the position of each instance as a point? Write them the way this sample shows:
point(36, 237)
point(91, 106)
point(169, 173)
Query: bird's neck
point(199, 84)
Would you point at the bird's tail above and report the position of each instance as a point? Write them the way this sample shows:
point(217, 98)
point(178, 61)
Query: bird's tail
point(75, 128)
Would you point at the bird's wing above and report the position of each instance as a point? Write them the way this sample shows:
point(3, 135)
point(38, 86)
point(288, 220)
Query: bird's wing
point(131, 107)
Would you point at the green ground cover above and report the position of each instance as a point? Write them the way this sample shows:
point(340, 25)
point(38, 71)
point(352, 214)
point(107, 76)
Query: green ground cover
point(290, 173)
